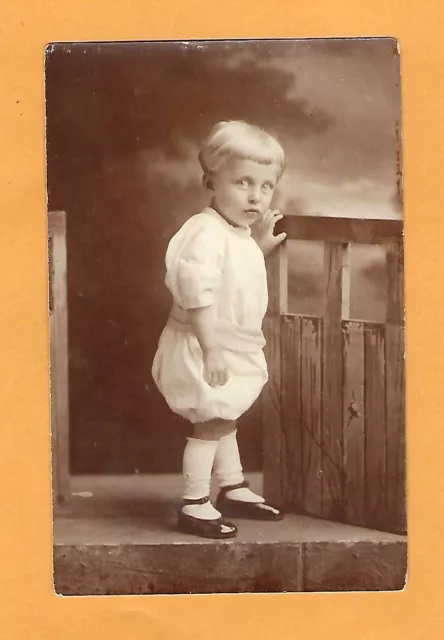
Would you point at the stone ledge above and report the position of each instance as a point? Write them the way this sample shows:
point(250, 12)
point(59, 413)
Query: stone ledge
point(118, 536)
point(355, 566)
point(179, 568)
point(228, 567)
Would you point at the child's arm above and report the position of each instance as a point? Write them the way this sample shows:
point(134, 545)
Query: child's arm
point(203, 323)
point(263, 232)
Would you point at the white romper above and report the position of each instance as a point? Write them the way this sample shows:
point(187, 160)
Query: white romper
point(210, 262)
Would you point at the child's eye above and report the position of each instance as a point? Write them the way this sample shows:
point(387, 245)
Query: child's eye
point(267, 186)
point(243, 183)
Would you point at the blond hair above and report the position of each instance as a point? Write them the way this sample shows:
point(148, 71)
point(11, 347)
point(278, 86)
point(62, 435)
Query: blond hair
point(242, 140)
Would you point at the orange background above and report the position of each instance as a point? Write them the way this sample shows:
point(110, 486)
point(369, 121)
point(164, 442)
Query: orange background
point(28, 608)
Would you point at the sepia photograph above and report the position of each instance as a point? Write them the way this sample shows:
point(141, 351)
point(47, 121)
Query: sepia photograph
point(226, 307)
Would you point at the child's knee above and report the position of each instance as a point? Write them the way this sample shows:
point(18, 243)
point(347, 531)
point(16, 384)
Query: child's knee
point(227, 427)
point(213, 429)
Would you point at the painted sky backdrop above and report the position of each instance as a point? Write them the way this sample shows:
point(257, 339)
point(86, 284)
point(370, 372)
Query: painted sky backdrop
point(334, 105)
point(124, 124)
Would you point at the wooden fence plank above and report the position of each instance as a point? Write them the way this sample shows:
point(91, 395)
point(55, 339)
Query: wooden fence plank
point(56, 475)
point(395, 390)
point(271, 414)
point(395, 434)
point(292, 453)
point(395, 283)
point(271, 396)
point(311, 416)
point(277, 275)
point(375, 440)
point(332, 385)
point(353, 435)
point(346, 282)
point(59, 358)
point(56, 223)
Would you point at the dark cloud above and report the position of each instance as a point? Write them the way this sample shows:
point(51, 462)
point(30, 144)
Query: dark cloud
point(334, 103)
point(120, 98)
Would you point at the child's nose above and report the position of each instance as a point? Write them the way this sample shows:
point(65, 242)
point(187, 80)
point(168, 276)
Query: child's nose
point(255, 195)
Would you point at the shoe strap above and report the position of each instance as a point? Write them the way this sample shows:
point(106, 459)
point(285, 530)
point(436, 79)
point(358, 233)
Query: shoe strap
point(196, 500)
point(241, 485)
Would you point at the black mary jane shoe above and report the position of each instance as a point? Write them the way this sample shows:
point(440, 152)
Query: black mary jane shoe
point(204, 528)
point(247, 510)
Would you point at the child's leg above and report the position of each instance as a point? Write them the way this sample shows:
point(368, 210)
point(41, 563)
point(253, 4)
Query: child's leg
point(236, 498)
point(198, 458)
point(198, 463)
point(228, 469)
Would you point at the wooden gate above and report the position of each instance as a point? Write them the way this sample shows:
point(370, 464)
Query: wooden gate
point(58, 324)
point(333, 410)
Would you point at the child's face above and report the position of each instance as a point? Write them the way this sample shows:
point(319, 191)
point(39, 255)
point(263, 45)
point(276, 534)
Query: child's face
point(243, 190)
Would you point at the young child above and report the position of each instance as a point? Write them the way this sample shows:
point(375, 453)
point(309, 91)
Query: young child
point(210, 365)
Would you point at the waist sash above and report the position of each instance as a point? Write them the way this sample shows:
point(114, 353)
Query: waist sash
point(231, 336)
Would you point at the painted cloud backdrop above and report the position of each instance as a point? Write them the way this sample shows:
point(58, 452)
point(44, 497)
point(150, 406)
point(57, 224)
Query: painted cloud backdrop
point(124, 122)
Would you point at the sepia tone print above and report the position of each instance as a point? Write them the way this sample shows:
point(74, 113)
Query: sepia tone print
point(302, 486)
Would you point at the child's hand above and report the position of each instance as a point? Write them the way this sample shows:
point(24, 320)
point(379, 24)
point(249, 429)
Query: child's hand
point(215, 368)
point(263, 231)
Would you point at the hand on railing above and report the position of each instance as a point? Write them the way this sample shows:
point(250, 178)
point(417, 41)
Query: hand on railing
point(263, 231)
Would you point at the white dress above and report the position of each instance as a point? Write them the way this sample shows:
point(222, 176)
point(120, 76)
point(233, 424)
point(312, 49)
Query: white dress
point(210, 262)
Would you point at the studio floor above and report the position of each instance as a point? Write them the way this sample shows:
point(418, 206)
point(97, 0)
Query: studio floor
point(117, 536)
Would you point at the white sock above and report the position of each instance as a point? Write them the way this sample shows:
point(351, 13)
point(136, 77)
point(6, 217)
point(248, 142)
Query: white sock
point(198, 459)
point(228, 469)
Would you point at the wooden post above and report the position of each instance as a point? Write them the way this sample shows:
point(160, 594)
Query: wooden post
point(346, 281)
point(271, 397)
point(353, 421)
point(58, 356)
point(332, 385)
point(292, 450)
point(375, 426)
point(395, 388)
point(311, 414)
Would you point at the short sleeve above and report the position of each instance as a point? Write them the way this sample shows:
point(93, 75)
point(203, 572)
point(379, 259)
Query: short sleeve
point(194, 262)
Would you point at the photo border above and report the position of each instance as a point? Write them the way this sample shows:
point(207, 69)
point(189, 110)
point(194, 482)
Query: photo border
point(30, 609)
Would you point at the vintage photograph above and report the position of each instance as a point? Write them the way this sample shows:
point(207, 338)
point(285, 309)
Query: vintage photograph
point(226, 308)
